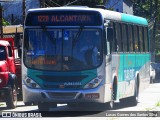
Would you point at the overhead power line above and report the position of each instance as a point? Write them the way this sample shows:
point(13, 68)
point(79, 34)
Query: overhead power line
point(71, 2)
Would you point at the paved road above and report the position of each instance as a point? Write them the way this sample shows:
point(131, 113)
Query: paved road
point(148, 101)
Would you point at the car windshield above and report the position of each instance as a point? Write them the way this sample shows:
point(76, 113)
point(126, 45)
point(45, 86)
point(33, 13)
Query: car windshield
point(62, 49)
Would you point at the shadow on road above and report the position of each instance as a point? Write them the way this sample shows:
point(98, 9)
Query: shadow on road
point(5, 108)
point(87, 110)
point(83, 111)
point(157, 81)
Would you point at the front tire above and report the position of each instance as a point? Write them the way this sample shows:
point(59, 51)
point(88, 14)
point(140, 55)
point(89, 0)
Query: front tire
point(11, 97)
point(151, 80)
point(134, 99)
point(27, 103)
point(45, 106)
point(111, 104)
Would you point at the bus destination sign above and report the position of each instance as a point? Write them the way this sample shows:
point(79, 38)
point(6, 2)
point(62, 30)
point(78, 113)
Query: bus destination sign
point(63, 19)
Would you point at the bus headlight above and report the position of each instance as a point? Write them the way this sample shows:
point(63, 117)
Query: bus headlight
point(94, 83)
point(30, 83)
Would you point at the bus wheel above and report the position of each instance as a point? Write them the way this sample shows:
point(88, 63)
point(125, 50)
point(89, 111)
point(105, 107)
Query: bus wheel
point(111, 105)
point(45, 106)
point(151, 80)
point(113, 97)
point(11, 97)
point(27, 103)
point(134, 99)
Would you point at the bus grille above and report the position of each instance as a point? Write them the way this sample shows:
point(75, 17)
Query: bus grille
point(59, 82)
point(62, 95)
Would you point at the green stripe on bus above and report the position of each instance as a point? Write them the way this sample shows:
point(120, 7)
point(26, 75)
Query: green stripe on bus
point(134, 19)
point(131, 62)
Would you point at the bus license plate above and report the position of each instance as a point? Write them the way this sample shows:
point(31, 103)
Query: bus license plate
point(92, 95)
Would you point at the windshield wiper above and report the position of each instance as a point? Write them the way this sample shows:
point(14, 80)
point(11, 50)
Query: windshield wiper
point(53, 40)
point(75, 40)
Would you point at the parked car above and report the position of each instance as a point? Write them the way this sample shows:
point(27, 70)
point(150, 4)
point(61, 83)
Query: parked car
point(152, 73)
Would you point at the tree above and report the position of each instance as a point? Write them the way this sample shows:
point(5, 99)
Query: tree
point(4, 22)
point(57, 3)
point(150, 10)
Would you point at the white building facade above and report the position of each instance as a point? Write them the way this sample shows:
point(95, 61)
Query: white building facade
point(123, 6)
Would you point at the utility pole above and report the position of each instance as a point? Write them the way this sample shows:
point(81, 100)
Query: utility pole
point(42, 3)
point(1, 25)
point(24, 9)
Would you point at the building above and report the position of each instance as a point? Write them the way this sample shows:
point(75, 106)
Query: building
point(123, 6)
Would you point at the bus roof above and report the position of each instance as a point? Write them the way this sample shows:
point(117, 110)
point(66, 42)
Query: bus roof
point(107, 14)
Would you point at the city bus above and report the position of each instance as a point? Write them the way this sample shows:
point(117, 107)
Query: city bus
point(81, 55)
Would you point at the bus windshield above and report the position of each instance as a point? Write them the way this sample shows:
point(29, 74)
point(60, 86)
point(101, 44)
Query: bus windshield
point(62, 49)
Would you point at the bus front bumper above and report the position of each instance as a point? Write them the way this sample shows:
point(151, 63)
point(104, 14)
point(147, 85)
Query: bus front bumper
point(64, 96)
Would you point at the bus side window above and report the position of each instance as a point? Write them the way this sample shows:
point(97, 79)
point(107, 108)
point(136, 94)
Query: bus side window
point(118, 37)
point(133, 38)
point(141, 40)
point(146, 39)
point(130, 38)
point(124, 36)
point(136, 45)
point(114, 42)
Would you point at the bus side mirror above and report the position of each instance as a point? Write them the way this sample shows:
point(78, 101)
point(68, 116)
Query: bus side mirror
point(109, 34)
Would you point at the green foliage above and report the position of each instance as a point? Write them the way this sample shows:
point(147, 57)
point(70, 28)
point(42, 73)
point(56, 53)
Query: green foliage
point(147, 8)
point(4, 22)
point(158, 104)
point(89, 3)
point(150, 9)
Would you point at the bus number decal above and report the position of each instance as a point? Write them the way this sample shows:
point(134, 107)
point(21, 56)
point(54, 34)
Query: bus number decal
point(44, 18)
point(129, 74)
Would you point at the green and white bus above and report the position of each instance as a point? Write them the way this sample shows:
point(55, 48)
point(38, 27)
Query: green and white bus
point(78, 55)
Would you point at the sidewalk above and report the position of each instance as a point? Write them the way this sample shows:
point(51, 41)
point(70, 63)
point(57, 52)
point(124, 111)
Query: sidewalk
point(149, 100)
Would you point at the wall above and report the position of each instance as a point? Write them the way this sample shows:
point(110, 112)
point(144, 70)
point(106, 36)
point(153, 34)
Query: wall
point(116, 5)
point(124, 6)
point(127, 7)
